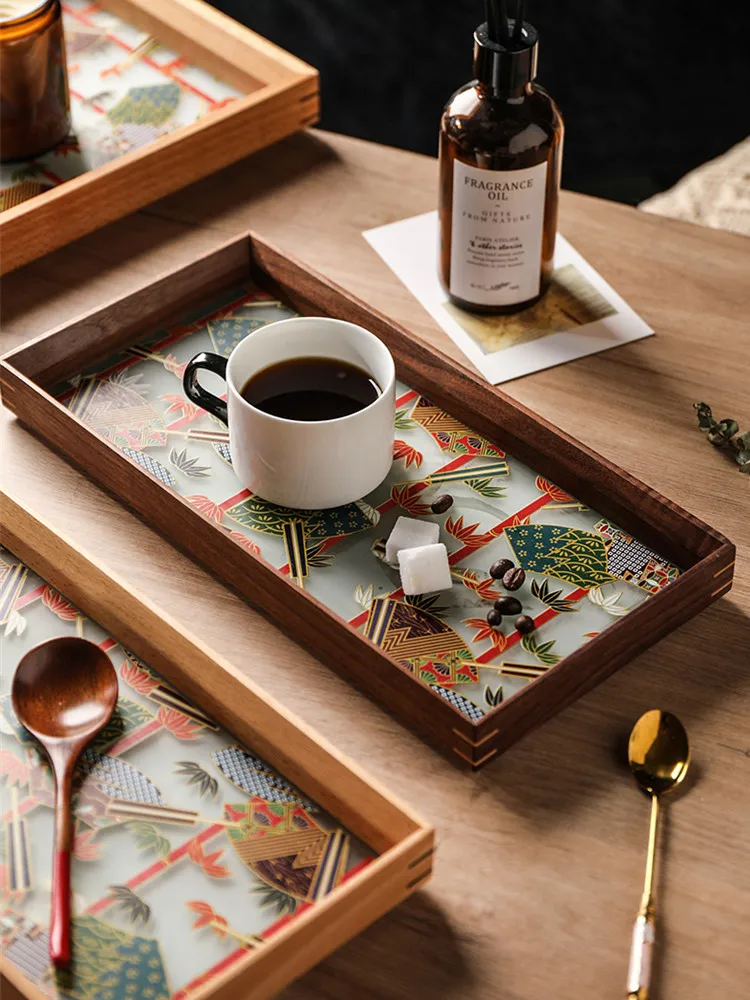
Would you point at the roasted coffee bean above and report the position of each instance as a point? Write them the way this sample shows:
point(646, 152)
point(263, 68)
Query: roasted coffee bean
point(500, 568)
point(442, 503)
point(508, 605)
point(513, 578)
point(494, 618)
point(524, 624)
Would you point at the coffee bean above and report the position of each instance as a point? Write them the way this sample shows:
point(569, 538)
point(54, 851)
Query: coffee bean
point(524, 624)
point(499, 568)
point(508, 605)
point(442, 503)
point(513, 578)
point(494, 618)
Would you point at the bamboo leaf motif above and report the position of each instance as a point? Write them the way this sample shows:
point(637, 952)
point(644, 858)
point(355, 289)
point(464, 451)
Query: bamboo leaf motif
point(207, 917)
point(484, 588)
point(148, 838)
point(493, 698)
point(363, 596)
point(485, 631)
point(56, 603)
point(406, 495)
point(541, 651)
point(178, 404)
point(275, 898)
point(485, 488)
point(551, 598)
point(196, 775)
point(552, 491)
point(410, 455)
point(428, 603)
point(317, 557)
point(15, 623)
point(609, 604)
point(131, 904)
point(208, 862)
point(402, 421)
point(205, 506)
point(188, 466)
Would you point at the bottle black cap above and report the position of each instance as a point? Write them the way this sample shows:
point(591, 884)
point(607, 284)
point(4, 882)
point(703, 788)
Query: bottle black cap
point(505, 66)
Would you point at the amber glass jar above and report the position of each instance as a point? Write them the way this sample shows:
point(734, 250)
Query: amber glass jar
point(34, 102)
point(501, 141)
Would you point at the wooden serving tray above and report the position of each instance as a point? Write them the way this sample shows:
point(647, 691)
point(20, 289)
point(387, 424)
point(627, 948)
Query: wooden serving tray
point(162, 93)
point(203, 866)
point(611, 566)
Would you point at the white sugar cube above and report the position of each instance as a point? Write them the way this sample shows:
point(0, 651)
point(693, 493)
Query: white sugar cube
point(409, 533)
point(424, 569)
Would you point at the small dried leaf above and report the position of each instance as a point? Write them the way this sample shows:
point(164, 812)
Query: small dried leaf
point(705, 418)
point(728, 427)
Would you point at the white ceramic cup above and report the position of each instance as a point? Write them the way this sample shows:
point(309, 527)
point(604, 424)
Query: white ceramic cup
point(303, 464)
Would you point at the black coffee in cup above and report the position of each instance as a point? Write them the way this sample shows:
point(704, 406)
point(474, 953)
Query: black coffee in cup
point(311, 389)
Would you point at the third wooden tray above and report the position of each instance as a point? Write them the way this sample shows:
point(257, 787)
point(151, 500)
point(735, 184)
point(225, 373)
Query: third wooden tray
point(221, 848)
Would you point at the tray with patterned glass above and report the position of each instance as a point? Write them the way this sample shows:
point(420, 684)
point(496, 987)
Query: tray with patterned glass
point(162, 92)
point(610, 565)
point(219, 848)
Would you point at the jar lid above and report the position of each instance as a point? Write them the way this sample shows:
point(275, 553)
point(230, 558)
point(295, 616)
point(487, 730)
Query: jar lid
point(21, 10)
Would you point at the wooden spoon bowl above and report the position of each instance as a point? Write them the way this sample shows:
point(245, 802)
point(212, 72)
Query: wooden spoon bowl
point(64, 692)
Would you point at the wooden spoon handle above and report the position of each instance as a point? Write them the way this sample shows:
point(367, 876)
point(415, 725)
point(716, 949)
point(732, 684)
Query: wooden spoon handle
point(59, 934)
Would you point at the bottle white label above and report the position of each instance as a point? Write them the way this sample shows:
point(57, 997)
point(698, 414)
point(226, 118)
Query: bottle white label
point(496, 241)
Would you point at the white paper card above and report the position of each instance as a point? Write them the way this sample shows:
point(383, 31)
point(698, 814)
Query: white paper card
point(580, 314)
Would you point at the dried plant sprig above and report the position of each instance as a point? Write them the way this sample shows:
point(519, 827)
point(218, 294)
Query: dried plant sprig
point(725, 434)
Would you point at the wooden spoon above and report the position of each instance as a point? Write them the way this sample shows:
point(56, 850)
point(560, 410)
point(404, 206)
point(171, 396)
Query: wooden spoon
point(64, 693)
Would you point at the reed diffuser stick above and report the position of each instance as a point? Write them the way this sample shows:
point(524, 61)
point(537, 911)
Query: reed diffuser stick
point(518, 25)
point(498, 29)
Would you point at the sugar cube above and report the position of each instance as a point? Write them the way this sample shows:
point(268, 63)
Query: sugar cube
point(424, 569)
point(409, 533)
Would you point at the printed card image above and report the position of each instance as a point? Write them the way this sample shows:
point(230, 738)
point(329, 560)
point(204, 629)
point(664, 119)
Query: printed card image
point(571, 301)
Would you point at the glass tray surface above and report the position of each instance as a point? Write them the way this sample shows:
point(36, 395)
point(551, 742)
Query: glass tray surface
point(189, 850)
point(583, 573)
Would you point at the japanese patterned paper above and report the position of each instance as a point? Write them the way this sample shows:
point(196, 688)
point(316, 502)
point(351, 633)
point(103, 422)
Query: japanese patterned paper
point(582, 572)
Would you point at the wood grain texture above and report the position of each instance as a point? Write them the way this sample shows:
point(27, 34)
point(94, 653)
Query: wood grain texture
point(617, 496)
point(541, 854)
point(281, 97)
point(404, 842)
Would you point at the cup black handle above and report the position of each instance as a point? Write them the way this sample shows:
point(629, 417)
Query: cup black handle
point(195, 391)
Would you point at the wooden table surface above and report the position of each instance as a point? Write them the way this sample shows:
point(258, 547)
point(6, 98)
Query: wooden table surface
point(540, 857)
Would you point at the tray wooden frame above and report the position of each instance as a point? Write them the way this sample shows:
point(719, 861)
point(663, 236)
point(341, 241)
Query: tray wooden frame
point(403, 841)
point(706, 556)
point(281, 96)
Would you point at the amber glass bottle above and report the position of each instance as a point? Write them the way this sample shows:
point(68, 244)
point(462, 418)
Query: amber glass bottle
point(501, 142)
point(34, 100)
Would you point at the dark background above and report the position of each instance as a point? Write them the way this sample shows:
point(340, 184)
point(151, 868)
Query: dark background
point(649, 89)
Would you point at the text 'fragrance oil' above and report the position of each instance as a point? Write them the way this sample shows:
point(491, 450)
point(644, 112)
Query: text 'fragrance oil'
point(501, 142)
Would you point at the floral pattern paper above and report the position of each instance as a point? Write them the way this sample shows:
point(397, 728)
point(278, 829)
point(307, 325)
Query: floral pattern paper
point(582, 571)
point(189, 849)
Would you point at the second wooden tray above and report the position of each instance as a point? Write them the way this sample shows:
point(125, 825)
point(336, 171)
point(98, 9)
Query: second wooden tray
point(208, 861)
point(611, 566)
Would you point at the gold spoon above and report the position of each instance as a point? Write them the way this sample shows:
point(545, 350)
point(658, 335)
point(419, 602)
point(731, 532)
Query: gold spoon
point(659, 755)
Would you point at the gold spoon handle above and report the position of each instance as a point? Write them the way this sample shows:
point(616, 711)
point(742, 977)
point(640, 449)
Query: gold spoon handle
point(639, 971)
